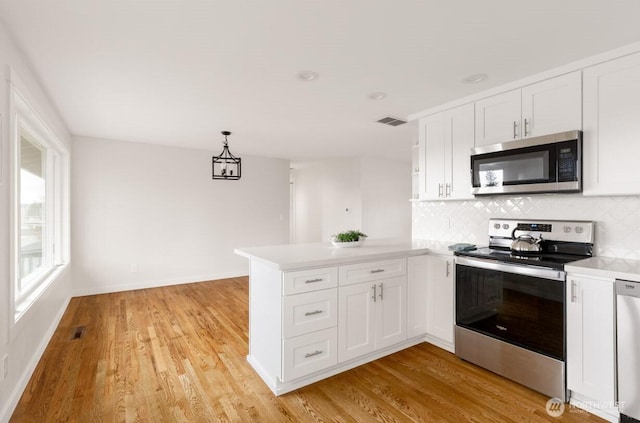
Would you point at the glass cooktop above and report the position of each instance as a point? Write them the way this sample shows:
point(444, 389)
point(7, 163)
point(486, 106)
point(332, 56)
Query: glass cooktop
point(543, 259)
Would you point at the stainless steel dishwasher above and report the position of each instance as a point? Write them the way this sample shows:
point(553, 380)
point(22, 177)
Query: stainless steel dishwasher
point(628, 306)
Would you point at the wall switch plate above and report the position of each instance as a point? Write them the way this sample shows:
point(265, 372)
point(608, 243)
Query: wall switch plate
point(134, 268)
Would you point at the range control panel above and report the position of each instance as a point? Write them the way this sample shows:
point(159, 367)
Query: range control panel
point(555, 230)
point(541, 227)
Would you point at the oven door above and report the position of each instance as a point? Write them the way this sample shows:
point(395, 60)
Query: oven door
point(518, 304)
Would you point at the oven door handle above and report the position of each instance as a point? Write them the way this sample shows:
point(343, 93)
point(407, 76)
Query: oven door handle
point(518, 269)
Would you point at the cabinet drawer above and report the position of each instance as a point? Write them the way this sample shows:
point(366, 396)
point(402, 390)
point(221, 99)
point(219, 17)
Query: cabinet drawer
point(309, 353)
point(309, 280)
point(372, 271)
point(309, 312)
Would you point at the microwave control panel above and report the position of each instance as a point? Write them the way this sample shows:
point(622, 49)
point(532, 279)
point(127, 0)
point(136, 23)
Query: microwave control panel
point(567, 161)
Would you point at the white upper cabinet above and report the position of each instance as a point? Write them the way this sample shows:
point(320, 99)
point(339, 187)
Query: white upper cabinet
point(446, 140)
point(611, 136)
point(434, 138)
point(552, 106)
point(547, 107)
point(498, 118)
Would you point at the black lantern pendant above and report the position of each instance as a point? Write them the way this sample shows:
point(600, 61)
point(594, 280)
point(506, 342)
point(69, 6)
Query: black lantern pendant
point(226, 165)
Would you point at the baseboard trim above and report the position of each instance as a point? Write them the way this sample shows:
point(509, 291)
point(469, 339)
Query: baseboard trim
point(279, 388)
point(605, 411)
point(81, 292)
point(16, 394)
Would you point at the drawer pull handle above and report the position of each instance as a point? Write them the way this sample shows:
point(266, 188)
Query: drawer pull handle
point(313, 280)
point(377, 271)
point(311, 313)
point(316, 352)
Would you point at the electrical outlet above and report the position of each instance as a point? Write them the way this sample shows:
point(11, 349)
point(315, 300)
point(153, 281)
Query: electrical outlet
point(134, 268)
point(5, 367)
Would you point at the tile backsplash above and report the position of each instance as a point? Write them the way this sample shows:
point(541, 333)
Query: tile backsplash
point(617, 218)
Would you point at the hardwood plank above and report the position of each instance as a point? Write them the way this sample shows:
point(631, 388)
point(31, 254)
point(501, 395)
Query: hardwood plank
point(178, 354)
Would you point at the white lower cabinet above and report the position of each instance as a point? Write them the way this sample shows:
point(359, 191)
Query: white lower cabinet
point(417, 270)
point(440, 300)
point(309, 353)
point(304, 313)
point(372, 316)
point(311, 323)
point(591, 340)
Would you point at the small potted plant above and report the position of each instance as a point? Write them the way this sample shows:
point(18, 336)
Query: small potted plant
point(348, 239)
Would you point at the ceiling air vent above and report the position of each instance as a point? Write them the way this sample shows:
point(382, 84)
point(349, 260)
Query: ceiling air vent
point(392, 121)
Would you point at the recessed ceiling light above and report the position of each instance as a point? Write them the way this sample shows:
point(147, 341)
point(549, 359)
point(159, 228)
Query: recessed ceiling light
point(378, 95)
point(308, 75)
point(474, 79)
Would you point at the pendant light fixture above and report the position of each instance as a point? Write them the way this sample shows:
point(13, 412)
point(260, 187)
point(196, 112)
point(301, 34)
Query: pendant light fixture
point(226, 165)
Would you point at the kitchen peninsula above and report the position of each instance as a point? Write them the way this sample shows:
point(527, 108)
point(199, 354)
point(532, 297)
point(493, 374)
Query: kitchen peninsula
point(316, 310)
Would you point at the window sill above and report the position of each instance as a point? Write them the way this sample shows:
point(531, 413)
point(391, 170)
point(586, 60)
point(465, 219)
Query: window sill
point(22, 307)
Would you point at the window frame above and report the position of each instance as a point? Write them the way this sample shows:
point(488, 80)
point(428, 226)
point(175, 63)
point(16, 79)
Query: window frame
point(24, 118)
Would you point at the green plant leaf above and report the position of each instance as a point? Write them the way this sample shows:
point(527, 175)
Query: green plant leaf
point(349, 236)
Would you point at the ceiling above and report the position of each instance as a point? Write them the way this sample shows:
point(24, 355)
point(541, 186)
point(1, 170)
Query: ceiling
point(177, 72)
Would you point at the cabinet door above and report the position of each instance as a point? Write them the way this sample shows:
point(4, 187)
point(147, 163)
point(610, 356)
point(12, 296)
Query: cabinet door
point(416, 296)
point(391, 312)
point(591, 338)
point(460, 135)
point(612, 127)
point(435, 139)
point(356, 319)
point(440, 318)
point(552, 106)
point(498, 118)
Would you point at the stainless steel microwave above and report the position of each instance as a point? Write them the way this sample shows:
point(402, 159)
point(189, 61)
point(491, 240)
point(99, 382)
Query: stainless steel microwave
point(550, 163)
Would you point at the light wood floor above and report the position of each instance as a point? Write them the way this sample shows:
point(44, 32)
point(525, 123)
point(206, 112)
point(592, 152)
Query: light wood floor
point(177, 354)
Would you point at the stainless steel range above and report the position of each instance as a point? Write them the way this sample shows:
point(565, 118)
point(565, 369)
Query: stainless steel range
point(510, 300)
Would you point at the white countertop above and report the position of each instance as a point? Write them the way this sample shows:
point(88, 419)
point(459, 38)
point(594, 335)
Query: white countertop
point(606, 267)
point(298, 256)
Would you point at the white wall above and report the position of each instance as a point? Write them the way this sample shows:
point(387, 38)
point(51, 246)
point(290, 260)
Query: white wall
point(25, 342)
point(156, 208)
point(617, 218)
point(331, 196)
point(386, 188)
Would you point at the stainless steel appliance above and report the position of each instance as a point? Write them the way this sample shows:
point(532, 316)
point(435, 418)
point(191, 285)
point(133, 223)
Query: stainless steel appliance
point(510, 305)
point(551, 163)
point(628, 314)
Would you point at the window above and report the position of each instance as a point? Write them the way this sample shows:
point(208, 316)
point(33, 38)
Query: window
point(40, 161)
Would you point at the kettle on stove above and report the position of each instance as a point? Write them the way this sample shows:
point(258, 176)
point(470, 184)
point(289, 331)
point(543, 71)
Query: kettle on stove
point(525, 243)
